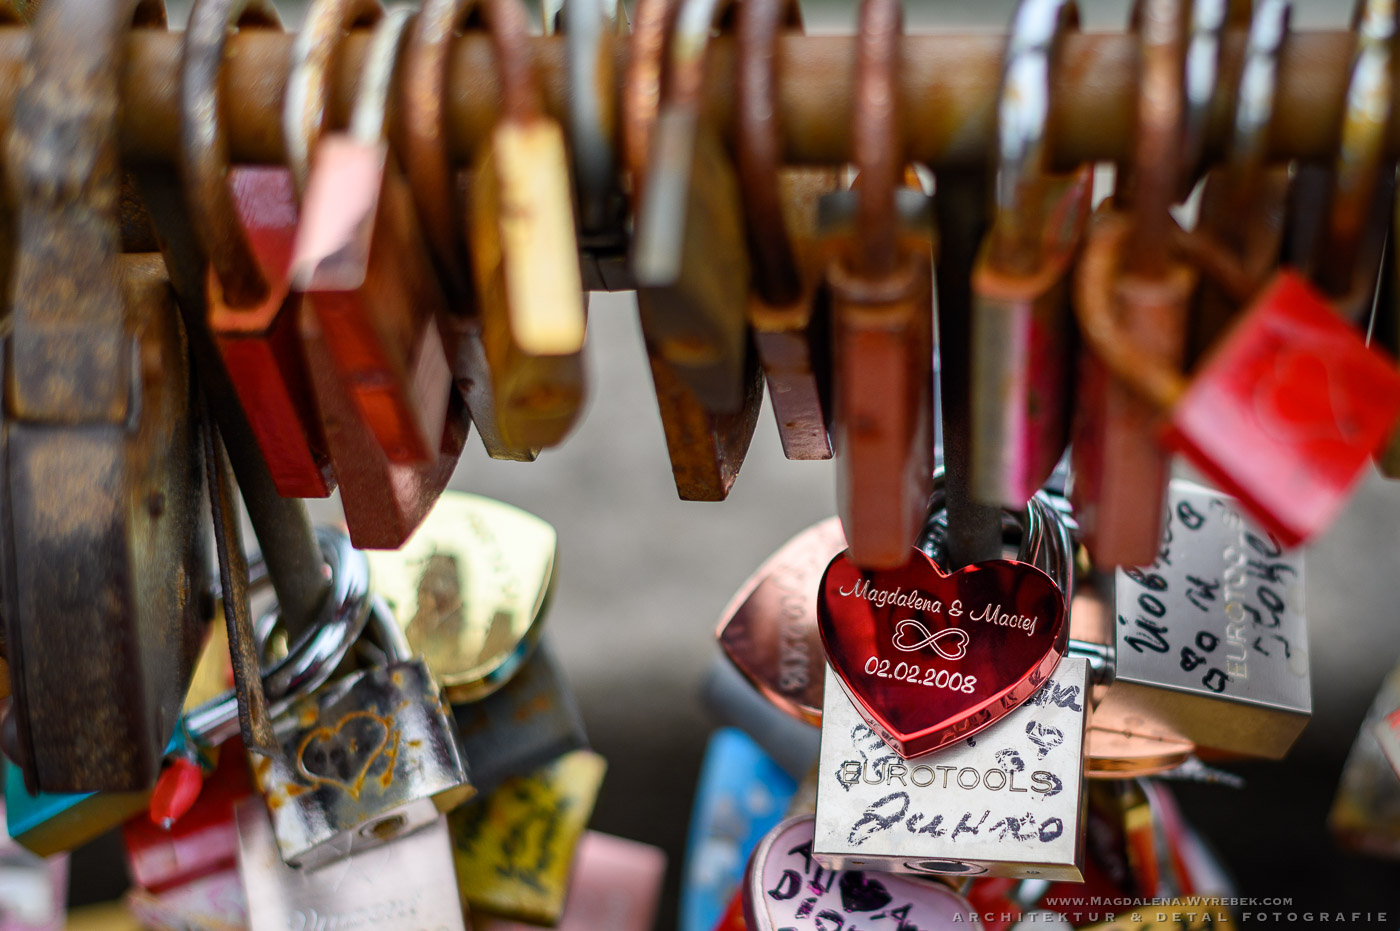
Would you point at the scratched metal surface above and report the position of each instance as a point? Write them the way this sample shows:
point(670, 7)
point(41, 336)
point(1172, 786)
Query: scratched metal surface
point(643, 577)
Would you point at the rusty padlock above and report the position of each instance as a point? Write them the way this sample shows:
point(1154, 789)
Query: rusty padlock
point(524, 252)
point(246, 217)
point(689, 255)
point(706, 447)
point(882, 318)
point(102, 472)
point(1022, 340)
point(361, 262)
point(383, 500)
point(789, 306)
point(1120, 469)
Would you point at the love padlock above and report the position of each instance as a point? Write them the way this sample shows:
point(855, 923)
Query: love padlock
point(1283, 413)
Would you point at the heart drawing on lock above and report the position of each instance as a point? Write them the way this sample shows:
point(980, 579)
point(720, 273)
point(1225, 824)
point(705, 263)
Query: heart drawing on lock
point(930, 658)
point(343, 755)
point(1299, 401)
point(786, 888)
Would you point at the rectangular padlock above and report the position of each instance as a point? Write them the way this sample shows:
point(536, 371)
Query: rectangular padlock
point(259, 343)
point(1023, 350)
point(117, 504)
point(528, 723)
point(361, 263)
point(1120, 468)
point(939, 813)
point(740, 796)
point(203, 841)
point(384, 501)
point(616, 885)
point(882, 395)
point(1211, 638)
point(529, 285)
point(405, 883)
point(364, 759)
point(514, 849)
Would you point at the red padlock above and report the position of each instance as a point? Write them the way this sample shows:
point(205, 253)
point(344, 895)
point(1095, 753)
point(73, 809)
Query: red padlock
point(1283, 413)
point(203, 840)
point(246, 218)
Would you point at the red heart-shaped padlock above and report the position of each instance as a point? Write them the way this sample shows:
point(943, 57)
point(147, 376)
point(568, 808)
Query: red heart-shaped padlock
point(929, 658)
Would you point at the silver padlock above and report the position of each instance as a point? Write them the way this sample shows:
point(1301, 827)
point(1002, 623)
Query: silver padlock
point(364, 759)
point(407, 884)
point(1006, 802)
point(1211, 640)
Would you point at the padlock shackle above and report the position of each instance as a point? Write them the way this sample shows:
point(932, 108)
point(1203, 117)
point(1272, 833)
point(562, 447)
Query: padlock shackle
point(204, 145)
point(1254, 108)
point(522, 95)
point(1204, 57)
point(776, 274)
point(425, 152)
point(641, 88)
point(1045, 538)
point(1358, 218)
point(369, 118)
point(1155, 172)
point(312, 658)
point(1102, 263)
point(878, 148)
point(1023, 116)
point(306, 106)
point(591, 123)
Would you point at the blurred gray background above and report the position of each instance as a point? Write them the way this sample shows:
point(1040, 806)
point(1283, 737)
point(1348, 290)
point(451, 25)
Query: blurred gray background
point(643, 576)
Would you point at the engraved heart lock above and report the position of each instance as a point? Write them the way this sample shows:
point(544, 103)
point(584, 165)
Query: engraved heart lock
point(931, 658)
point(788, 889)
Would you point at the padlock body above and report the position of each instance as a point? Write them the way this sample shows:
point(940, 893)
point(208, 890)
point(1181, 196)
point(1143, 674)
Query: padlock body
point(692, 265)
point(470, 589)
point(706, 448)
point(1009, 803)
point(514, 849)
point(526, 261)
point(883, 353)
point(361, 262)
point(1023, 355)
point(1286, 411)
point(1211, 638)
point(117, 506)
point(260, 346)
point(384, 501)
point(1120, 466)
point(364, 760)
point(793, 334)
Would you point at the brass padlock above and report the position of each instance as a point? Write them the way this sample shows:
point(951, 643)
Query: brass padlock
point(438, 192)
point(524, 252)
point(104, 553)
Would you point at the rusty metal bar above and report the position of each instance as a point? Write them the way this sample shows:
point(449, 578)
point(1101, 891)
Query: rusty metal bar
point(949, 83)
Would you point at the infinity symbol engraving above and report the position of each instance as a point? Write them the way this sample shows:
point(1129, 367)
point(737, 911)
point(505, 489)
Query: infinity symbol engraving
point(958, 636)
